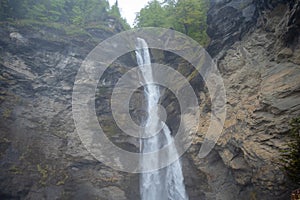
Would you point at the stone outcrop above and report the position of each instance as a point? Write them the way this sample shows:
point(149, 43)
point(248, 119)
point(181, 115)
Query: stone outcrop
point(230, 20)
point(41, 154)
point(261, 74)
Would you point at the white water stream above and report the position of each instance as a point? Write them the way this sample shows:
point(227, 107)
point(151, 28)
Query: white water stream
point(166, 183)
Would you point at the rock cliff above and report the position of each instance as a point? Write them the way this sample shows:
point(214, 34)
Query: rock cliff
point(229, 21)
point(41, 155)
point(256, 45)
point(257, 49)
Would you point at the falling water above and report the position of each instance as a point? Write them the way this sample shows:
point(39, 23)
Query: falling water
point(166, 183)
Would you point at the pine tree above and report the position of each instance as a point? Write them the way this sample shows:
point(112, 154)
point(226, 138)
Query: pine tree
point(114, 10)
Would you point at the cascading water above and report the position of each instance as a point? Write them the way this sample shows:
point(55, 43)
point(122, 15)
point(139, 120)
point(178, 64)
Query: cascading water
point(166, 183)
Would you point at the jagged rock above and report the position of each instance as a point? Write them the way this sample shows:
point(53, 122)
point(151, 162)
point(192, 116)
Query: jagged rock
point(43, 158)
point(284, 54)
point(41, 155)
point(262, 80)
point(230, 20)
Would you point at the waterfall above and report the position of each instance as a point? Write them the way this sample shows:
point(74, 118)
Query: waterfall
point(166, 183)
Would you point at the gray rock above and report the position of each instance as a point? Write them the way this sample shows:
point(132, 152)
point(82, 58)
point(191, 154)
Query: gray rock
point(230, 20)
point(261, 75)
point(41, 154)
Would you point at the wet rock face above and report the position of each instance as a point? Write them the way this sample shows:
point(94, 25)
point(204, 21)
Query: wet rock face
point(229, 20)
point(40, 152)
point(262, 80)
point(41, 155)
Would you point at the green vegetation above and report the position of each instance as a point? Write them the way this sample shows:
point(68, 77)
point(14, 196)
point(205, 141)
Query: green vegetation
point(186, 16)
point(6, 113)
point(44, 174)
point(115, 12)
point(79, 13)
point(153, 15)
point(291, 156)
point(15, 170)
point(62, 182)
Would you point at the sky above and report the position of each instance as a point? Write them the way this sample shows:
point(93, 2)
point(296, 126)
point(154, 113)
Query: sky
point(129, 8)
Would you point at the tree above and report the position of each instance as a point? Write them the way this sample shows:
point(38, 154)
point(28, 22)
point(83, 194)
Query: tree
point(68, 12)
point(186, 16)
point(11, 9)
point(114, 10)
point(152, 15)
point(78, 12)
point(95, 10)
point(81, 12)
point(116, 14)
point(191, 18)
